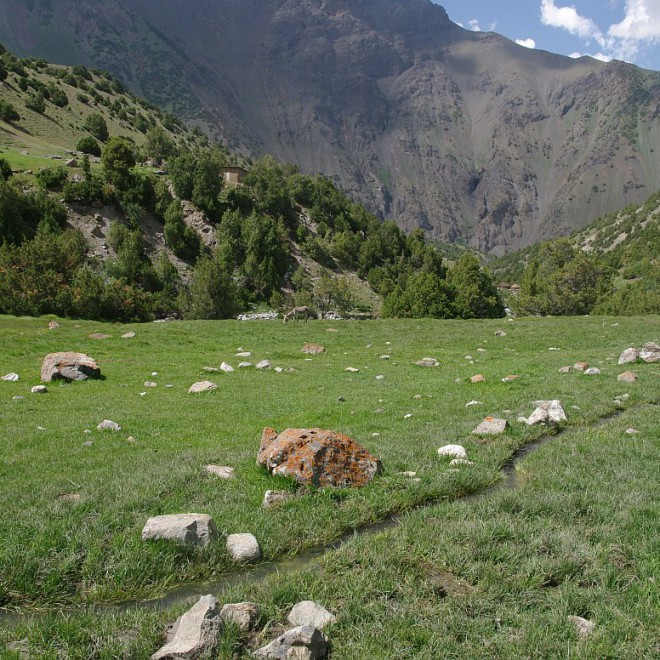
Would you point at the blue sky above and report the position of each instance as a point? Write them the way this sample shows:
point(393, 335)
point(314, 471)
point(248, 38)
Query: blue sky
point(606, 29)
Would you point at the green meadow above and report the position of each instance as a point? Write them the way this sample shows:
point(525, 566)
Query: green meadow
point(490, 577)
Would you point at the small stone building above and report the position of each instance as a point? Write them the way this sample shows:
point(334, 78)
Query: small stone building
point(233, 175)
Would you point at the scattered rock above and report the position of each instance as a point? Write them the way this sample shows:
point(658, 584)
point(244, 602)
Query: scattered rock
point(278, 370)
point(313, 349)
point(99, 335)
point(427, 362)
point(454, 451)
point(584, 627)
point(500, 333)
point(202, 386)
point(128, 335)
point(384, 357)
point(593, 371)
point(273, 498)
point(408, 473)
point(380, 377)
point(481, 350)
point(407, 416)
point(631, 431)
point(243, 547)
point(621, 397)
point(211, 370)
point(309, 613)
point(108, 425)
point(304, 643)
point(69, 497)
point(472, 403)
point(650, 352)
point(39, 389)
point(222, 471)
point(88, 443)
point(244, 354)
point(264, 364)
point(131, 439)
point(565, 370)
point(509, 378)
point(17, 398)
point(227, 368)
point(242, 615)
point(53, 325)
point(555, 410)
point(10, 377)
point(581, 366)
point(150, 383)
point(194, 528)
point(195, 634)
point(628, 356)
point(244, 365)
point(459, 461)
point(417, 396)
point(627, 377)
point(553, 348)
point(479, 378)
point(351, 370)
point(68, 366)
point(318, 457)
point(491, 426)
point(341, 398)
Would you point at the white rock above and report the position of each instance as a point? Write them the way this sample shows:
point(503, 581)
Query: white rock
point(584, 627)
point(472, 403)
point(195, 634)
point(427, 362)
point(222, 471)
point(128, 335)
point(39, 389)
point(555, 410)
point(628, 356)
point(552, 348)
point(631, 431)
point(380, 377)
point(352, 370)
point(10, 377)
point(242, 615)
point(195, 528)
point(244, 365)
point(408, 473)
point(150, 383)
point(278, 370)
point(592, 371)
point(459, 461)
point(244, 354)
point(539, 416)
point(481, 350)
point(243, 547)
point(227, 368)
point(264, 364)
point(202, 386)
point(407, 416)
point(309, 613)
point(108, 425)
point(455, 451)
point(384, 357)
point(302, 643)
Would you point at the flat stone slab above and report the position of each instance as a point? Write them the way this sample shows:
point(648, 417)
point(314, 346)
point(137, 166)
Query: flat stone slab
point(491, 426)
point(194, 528)
point(317, 457)
point(303, 643)
point(68, 366)
point(195, 634)
point(453, 451)
point(309, 613)
point(243, 547)
point(202, 386)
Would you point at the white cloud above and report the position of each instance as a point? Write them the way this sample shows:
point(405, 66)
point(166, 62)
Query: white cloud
point(569, 19)
point(527, 43)
point(474, 25)
point(596, 56)
point(641, 22)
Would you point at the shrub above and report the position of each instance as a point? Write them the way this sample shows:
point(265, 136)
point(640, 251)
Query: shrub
point(36, 102)
point(88, 145)
point(8, 112)
point(96, 125)
point(52, 177)
point(5, 170)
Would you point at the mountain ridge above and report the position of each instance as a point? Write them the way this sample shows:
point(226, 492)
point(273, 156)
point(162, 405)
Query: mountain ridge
point(467, 135)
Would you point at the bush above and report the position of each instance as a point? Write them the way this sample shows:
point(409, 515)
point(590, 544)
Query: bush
point(36, 102)
point(96, 125)
point(52, 177)
point(88, 145)
point(8, 112)
point(5, 170)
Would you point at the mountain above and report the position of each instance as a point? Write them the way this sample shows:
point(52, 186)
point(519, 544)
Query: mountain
point(467, 135)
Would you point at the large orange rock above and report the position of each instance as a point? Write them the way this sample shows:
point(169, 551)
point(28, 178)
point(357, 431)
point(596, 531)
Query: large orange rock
point(317, 457)
point(68, 366)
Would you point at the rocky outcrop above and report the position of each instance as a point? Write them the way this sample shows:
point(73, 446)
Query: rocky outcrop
point(69, 366)
point(317, 457)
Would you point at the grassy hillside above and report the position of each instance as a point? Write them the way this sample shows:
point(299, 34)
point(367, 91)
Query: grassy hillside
point(75, 498)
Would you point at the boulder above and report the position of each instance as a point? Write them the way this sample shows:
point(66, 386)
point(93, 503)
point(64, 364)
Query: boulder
point(500, 333)
point(313, 349)
point(317, 457)
point(244, 365)
point(68, 366)
point(222, 471)
point(39, 389)
point(592, 371)
point(263, 365)
point(627, 377)
point(108, 425)
point(302, 642)
point(427, 362)
point(454, 451)
point(227, 368)
point(195, 634)
point(650, 352)
point(10, 377)
point(309, 613)
point(243, 547)
point(491, 426)
point(194, 528)
point(584, 627)
point(53, 325)
point(242, 615)
point(628, 356)
point(202, 386)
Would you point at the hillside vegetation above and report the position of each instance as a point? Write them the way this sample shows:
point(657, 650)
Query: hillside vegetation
point(210, 250)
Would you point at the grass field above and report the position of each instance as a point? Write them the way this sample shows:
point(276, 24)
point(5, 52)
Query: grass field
point(574, 504)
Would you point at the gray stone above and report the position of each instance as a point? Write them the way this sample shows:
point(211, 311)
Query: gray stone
point(39, 389)
point(650, 352)
point(10, 377)
point(243, 547)
point(299, 643)
point(592, 371)
point(584, 627)
point(108, 425)
point(309, 613)
point(555, 410)
point(539, 416)
point(264, 364)
point(128, 335)
point(244, 365)
point(565, 370)
point(222, 471)
point(202, 386)
point(491, 426)
point(454, 451)
point(17, 398)
point(274, 498)
point(472, 403)
point(227, 368)
point(68, 366)
point(500, 333)
point(194, 528)
point(628, 356)
point(150, 383)
point(581, 366)
point(627, 377)
point(244, 354)
point(195, 634)
point(242, 615)
point(459, 461)
point(427, 362)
